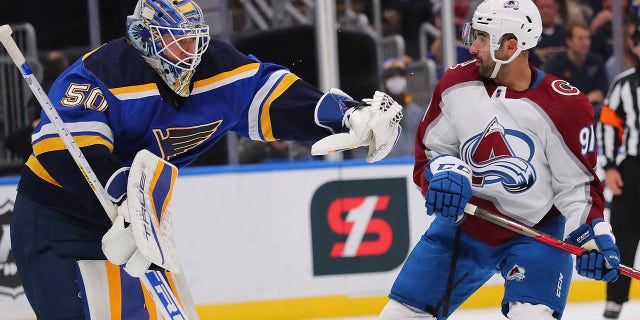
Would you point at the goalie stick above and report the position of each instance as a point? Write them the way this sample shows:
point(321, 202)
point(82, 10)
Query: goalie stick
point(154, 281)
point(539, 236)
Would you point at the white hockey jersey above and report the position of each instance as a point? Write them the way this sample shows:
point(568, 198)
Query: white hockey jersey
point(532, 153)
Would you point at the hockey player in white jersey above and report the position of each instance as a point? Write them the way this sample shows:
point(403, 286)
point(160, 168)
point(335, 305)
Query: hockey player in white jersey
point(506, 137)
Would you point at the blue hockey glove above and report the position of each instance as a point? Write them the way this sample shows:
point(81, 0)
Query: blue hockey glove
point(602, 260)
point(449, 187)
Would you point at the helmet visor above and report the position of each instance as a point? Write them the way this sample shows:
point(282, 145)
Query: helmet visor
point(468, 34)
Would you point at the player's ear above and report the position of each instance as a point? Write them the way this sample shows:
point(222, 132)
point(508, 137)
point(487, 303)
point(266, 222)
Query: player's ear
point(512, 45)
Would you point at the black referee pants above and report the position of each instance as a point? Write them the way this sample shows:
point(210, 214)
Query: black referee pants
point(625, 221)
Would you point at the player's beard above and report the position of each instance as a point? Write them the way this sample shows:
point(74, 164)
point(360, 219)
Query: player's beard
point(487, 64)
point(485, 68)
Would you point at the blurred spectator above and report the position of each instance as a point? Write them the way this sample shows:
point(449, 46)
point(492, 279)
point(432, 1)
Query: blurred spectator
point(461, 10)
point(630, 59)
point(54, 63)
point(602, 29)
point(413, 13)
point(389, 15)
point(576, 12)
point(394, 72)
point(250, 151)
point(552, 38)
point(581, 67)
point(19, 142)
point(66, 34)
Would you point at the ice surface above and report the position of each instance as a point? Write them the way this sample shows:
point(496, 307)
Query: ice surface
point(574, 311)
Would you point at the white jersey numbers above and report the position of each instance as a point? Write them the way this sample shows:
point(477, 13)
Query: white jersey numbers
point(587, 139)
point(77, 94)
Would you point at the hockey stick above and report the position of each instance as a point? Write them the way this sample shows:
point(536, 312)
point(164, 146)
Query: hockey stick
point(154, 281)
point(538, 236)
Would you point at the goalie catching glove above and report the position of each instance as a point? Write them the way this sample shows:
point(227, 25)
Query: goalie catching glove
point(375, 123)
point(602, 259)
point(142, 233)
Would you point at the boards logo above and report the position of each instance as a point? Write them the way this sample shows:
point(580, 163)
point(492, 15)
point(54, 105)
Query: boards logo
point(359, 226)
point(10, 284)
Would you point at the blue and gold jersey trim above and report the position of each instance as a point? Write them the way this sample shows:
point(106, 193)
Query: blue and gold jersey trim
point(200, 86)
point(38, 169)
point(259, 117)
point(84, 133)
point(135, 92)
point(224, 78)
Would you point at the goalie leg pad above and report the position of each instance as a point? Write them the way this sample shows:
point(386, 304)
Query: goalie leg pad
point(110, 293)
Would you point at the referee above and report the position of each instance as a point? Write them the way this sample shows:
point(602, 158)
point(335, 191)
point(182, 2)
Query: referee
point(619, 140)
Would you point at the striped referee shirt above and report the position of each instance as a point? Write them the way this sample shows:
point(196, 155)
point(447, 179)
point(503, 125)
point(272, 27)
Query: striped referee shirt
point(617, 130)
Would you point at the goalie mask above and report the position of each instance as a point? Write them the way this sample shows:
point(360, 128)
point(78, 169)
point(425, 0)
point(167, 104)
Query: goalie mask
point(498, 18)
point(171, 36)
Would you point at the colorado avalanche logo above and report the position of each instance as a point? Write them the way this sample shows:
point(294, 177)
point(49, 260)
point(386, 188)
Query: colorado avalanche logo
point(515, 5)
point(564, 88)
point(493, 160)
point(516, 273)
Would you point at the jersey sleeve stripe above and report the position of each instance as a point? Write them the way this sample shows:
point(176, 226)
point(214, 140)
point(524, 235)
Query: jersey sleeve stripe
point(56, 143)
point(99, 128)
point(265, 117)
point(135, 92)
point(219, 80)
point(255, 109)
point(610, 117)
point(36, 167)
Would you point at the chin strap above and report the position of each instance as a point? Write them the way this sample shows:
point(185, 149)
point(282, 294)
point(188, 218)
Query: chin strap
point(499, 63)
point(496, 68)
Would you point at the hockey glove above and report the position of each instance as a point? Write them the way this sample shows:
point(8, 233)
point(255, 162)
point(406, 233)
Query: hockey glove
point(449, 187)
point(375, 123)
point(141, 236)
point(602, 260)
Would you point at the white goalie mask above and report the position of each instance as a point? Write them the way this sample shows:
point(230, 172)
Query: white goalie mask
point(500, 17)
point(171, 36)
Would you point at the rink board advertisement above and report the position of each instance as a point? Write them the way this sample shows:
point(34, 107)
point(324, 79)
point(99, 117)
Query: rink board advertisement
point(280, 241)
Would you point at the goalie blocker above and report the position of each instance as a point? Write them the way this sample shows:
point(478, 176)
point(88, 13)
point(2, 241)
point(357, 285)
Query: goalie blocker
point(142, 234)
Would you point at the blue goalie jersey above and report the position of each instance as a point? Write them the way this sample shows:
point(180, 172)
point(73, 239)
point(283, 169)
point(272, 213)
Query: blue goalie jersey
point(115, 104)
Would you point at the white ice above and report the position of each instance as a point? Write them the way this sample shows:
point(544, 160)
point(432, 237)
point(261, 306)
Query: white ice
point(574, 311)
